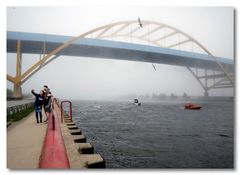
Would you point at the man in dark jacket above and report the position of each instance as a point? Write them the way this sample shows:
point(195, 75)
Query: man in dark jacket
point(39, 100)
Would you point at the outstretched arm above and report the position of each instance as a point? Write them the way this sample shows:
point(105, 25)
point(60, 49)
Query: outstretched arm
point(34, 93)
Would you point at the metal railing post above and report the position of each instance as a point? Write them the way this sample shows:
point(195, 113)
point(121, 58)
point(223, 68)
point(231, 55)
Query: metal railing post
point(53, 122)
point(71, 111)
point(70, 106)
point(61, 113)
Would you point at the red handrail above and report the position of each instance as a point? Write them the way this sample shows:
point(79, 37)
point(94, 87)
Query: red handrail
point(54, 154)
point(70, 106)
point(53, 122)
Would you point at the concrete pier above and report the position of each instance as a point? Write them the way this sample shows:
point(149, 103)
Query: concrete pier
point(24, 143)
point(81, 154)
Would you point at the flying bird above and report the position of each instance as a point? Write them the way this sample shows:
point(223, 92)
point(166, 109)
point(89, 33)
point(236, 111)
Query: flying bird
point(140, 23)
point(154, 67)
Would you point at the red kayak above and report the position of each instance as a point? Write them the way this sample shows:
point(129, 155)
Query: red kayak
point(192, 106)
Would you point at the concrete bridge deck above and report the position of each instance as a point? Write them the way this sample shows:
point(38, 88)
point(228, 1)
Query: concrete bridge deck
point(32, 43)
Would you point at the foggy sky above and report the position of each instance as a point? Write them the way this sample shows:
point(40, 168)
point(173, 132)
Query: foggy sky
point(91, 78)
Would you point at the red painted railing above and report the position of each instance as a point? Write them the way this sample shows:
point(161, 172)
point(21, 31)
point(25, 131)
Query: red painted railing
point(70, 106)
point(54, 153)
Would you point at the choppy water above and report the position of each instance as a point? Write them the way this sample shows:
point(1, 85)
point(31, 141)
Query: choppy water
point(159, 134)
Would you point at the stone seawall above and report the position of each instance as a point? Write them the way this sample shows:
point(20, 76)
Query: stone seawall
point(80, 153)
point(18, 108)
point(17, 112)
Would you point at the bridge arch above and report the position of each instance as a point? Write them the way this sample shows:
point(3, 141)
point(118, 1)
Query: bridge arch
point(130, 29)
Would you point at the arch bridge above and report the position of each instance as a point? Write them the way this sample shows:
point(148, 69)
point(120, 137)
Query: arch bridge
point(152, 42)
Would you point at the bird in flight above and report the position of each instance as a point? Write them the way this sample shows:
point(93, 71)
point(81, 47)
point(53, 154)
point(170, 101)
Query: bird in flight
point(154, 67)
point(140, 23)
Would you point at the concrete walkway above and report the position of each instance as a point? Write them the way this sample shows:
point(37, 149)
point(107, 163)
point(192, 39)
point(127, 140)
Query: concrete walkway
point(24, 143)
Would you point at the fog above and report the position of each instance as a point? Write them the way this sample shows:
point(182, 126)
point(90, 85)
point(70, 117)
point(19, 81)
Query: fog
point(93, 78)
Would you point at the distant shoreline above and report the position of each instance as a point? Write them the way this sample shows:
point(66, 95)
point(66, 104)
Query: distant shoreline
point(178, 99)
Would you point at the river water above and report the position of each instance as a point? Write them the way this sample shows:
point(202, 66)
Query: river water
point(159, 134)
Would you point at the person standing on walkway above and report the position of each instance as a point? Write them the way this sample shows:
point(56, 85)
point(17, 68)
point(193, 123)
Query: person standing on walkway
point(39, 99)
point(46, 100)
point(46, 90)
point(48, 105)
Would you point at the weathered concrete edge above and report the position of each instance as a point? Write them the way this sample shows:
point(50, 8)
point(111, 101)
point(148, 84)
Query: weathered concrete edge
point(80, 153)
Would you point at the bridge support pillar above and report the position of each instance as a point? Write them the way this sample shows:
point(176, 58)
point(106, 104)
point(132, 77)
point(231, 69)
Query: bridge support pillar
point(206, 94)
point(206, 83)
point(17, 91)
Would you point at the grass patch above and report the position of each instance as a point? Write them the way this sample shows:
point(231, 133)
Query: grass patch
point(19, 115)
